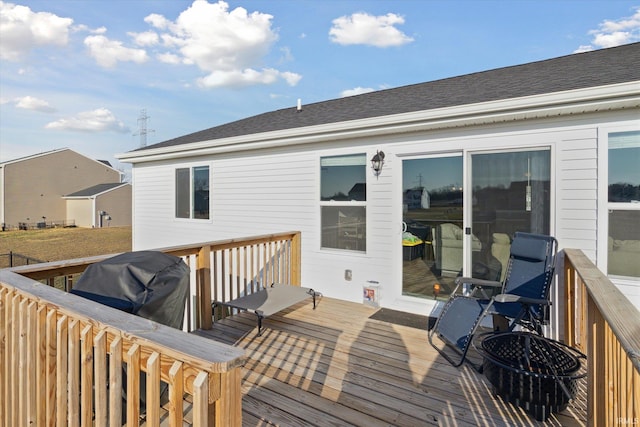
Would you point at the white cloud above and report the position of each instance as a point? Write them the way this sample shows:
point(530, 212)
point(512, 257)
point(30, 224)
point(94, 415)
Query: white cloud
point(22, 30)
point(147, 38)
point(292, 79)
point(247, 77)
point(362, 28)
point(614, 33)
point(613, 39)
point(99, 120)
point(229, 45)
point(287, 56)
point(35, 104)
point(583, 48)
point(356, 91)
point(169, 58)
point(108, 53)
point(158, 21)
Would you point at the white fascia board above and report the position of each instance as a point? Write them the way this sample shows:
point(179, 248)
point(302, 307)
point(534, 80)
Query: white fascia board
point(579, 101)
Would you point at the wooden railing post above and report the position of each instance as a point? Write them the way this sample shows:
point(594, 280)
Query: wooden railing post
point(203, 288)
point(296, 259)
point(227, 409)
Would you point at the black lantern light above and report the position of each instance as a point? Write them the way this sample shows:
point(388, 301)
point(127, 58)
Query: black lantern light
point(377, 161)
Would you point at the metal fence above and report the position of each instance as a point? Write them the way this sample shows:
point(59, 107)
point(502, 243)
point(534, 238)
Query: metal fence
point(13, 259)
point(39, 225)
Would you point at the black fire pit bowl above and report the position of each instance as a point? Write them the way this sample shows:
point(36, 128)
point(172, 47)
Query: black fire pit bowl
point(533, 372)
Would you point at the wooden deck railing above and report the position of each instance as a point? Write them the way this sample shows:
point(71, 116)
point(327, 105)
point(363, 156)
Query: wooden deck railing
point(221, 270)
point(231, 268)
point(61, 355)
point(605, 325)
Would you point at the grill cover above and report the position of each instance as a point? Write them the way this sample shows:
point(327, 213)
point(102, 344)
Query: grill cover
point(149, 284)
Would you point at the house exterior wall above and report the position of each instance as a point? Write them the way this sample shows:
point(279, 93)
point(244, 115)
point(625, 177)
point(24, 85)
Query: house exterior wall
point(117, 203)
point(34, 187)
point(277, 190)
point(80, 210)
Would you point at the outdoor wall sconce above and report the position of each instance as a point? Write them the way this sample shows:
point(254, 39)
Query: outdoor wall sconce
point(376, 162)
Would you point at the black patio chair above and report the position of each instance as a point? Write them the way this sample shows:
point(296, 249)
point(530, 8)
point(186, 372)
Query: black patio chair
point(523, 299)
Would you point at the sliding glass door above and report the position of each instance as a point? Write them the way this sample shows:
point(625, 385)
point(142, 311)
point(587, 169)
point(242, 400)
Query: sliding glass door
point(451, 229)
point(510, 191)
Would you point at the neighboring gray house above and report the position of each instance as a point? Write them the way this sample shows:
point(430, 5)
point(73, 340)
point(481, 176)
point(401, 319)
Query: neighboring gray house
point(549, 147)
point(102, 205)
point(33, 190)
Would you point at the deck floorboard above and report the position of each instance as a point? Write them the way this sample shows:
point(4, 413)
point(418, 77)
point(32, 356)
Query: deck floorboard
point(334, 366)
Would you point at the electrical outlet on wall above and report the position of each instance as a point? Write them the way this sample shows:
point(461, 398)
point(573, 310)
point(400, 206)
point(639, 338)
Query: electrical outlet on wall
point(348, 275)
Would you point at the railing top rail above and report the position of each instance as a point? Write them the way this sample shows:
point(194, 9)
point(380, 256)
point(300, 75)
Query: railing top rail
point(46, 270)
point(199, 352)
point(621, 315)
point(78, 265)
point(191, 248)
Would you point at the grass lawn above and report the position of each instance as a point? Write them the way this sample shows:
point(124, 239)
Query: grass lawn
point(57, 244)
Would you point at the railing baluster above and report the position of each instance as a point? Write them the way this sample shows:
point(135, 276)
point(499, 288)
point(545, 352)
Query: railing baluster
point(74, 373)
point(86, 376)
point(153, 390)
point(133, 386)
point(41, 364)
point(176, 391)
point(50, 366)
point(115, 382)
point(201, 400)
point(3, 356)
point(61, 372)
point(13, 366)
point(100, 378)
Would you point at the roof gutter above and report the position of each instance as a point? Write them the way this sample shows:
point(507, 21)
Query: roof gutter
point(579, 101)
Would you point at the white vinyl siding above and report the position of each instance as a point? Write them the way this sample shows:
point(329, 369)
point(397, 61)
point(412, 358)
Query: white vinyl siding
point(577, 184)
point(276, 190)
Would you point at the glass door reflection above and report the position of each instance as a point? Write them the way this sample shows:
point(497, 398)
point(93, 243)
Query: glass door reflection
point(432, 244)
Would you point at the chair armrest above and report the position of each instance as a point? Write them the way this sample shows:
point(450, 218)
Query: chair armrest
point(478, 286)
point(477, 282)
point(522, 300)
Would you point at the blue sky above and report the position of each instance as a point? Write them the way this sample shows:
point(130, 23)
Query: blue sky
point(78, 74)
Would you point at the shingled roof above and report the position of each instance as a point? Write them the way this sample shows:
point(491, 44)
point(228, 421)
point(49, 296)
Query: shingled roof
point(577, 71)
point(96, 189)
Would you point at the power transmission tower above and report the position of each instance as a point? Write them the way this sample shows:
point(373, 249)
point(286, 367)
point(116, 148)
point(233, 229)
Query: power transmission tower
point(142, 128)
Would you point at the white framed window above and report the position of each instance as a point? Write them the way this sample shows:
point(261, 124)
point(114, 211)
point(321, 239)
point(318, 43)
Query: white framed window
point(343, 202)
point(623, 204)
point(192, 197)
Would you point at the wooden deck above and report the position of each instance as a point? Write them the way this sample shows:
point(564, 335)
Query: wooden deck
point(334, 366)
